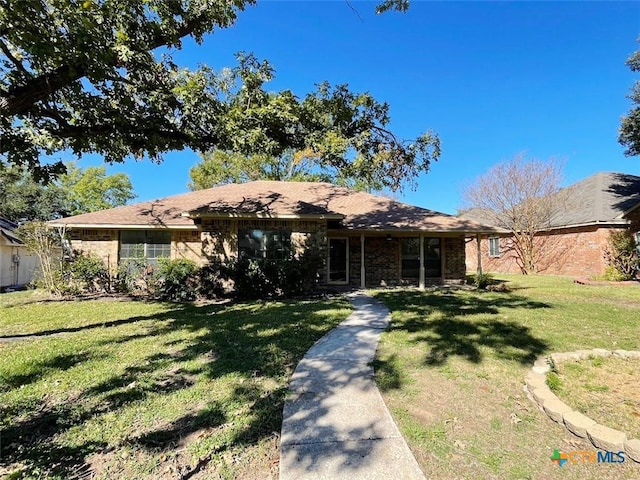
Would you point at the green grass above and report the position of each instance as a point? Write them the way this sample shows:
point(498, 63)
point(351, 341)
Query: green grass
point(465, 354)
point(148, 390)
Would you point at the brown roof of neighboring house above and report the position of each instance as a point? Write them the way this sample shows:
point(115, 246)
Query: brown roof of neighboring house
point(272, 199)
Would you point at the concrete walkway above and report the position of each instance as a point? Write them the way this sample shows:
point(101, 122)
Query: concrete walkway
point(335, 423)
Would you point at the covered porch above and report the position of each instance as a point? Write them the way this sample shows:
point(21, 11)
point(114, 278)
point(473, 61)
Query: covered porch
point(416, 258)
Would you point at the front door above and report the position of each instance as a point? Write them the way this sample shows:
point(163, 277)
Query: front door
point(338, 260)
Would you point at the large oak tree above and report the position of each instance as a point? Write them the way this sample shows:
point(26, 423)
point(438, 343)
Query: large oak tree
point(96, 76)
point(629, 134)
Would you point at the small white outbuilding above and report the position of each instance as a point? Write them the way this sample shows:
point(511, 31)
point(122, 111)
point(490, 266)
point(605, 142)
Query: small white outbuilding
point(17, 265)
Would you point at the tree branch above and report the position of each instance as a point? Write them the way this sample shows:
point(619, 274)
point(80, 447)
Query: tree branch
point(14, 60)
point(20, 99)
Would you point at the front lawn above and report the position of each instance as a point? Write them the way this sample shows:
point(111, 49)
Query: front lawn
point(452, 369)
point(127, 389)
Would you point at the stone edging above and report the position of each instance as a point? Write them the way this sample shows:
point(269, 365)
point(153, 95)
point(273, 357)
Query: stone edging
point(603, 438)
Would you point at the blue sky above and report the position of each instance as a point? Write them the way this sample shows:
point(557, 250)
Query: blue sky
point(493, 79)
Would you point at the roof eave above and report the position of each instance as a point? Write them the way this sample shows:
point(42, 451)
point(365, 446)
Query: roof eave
point(121, 226)
point(264, 215)
point(597, 223)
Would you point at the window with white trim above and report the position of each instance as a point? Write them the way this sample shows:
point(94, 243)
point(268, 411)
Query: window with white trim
point(269, 244)
point(494, 246)
point(148, 245)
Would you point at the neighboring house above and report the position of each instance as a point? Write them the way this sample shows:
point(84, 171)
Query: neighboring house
point(575, 242)
point(366, 239)
point(17, 266)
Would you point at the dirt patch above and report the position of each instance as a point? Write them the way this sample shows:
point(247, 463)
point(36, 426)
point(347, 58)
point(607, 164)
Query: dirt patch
point(605, 389)
point(467, 420)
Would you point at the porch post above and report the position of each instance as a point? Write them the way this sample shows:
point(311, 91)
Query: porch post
point(478, 244)
point(363, 282)
point(421, 281)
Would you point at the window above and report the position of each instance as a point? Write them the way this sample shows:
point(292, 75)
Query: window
point(147, 244)
point(494, 246)
point(271, 244)
point(410, 251)
point(638, 242)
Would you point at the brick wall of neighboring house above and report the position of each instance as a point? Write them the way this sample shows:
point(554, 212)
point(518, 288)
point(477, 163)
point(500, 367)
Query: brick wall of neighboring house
point(571, 251)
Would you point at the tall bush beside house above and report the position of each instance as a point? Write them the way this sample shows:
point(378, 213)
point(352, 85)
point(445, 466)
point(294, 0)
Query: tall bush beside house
point(47, 244)
point(134, 276)
point(622, 256)
point(90, 273)
point(176, 280)
point(269, 278)
point(210, 281)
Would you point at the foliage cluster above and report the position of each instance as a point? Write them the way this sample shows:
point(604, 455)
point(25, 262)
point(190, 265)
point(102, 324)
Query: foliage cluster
point(77, 191)
point(84, 77)
point(622, 256)
point(481, 281)
point(182, 280)
point(266, 278)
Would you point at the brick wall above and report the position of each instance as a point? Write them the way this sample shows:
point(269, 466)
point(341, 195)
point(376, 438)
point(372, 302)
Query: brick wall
point(383, 261)
point(218, 241)
point(220, 236)
point(100, 242)
point(454, 262)
point(186, 244)
point(570, 251)
point(105, 243)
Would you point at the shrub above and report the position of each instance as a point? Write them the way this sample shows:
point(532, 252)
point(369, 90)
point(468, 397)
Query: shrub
point(90, 273)
point(268, 278)
point(611, 274)
point(134, 276)
point(176, 279)
point(554, 382)
point(481, 281)
point(622, 256)
point(210, 281)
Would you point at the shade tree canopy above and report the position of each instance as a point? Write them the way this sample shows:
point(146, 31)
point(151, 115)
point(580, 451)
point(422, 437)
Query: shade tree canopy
point(78, 191)
point(629, 134)
point(219, 167)
point(98, 76)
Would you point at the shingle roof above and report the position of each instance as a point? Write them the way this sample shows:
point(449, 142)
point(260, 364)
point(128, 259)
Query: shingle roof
point(358, 210)
point(601, 198)
point(7, 228)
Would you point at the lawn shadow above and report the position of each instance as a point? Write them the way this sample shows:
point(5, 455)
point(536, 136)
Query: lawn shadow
point(446, 323)
point(248, 342)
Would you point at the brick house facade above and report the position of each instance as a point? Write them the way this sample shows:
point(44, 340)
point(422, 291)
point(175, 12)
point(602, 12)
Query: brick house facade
point(366, 240)
point(575, 243)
